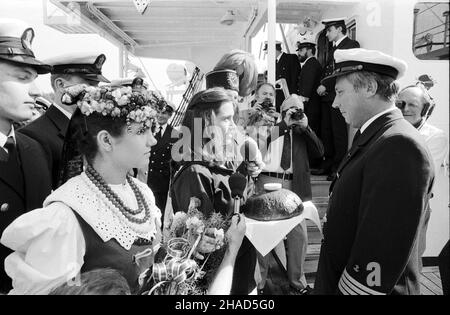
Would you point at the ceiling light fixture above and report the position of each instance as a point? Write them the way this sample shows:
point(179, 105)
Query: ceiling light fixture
point(229, 18)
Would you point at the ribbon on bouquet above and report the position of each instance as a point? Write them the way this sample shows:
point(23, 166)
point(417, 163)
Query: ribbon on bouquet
point(177, 266)
point(174, 270)
point(177, 248)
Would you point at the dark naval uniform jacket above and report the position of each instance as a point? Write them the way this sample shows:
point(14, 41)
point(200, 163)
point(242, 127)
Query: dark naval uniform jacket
point(159, 166)
point(17, 196)
point(288, 67)
point(346, 43)
point(50, 130)
point(309, 81)
point(375, 212)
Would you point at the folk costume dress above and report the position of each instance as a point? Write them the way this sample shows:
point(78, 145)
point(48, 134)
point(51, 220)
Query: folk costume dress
point(81, 229)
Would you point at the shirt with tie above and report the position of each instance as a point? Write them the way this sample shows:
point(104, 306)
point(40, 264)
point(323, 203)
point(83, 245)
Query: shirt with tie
point(274, 158)
point(159, 131)
point(10, 156)
point(6, 142)
point(368, 122)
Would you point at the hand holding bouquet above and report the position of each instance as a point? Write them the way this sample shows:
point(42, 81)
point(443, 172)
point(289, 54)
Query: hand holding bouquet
point(182, 270)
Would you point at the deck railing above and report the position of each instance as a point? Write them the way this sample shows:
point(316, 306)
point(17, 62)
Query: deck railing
point(193, 87)
point(440, 29)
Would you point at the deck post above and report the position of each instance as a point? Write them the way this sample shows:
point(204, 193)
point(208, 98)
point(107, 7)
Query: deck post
point(121, 62)
point(271, 36)
point(445, 14)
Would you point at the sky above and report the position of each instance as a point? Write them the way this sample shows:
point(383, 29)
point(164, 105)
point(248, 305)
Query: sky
point(50, 42)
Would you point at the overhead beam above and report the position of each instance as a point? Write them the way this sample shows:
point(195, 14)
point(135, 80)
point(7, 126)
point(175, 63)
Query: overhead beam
point(260, 20)
point(182, 19)
point(173, 12)
point(181, 44)
point(170, 2)
point(168, 37)
point(172, 29)
point(93, 26)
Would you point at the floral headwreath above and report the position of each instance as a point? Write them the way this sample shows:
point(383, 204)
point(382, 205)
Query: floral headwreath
point(136, 107)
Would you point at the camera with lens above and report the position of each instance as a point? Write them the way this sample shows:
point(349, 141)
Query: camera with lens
point(298, 114)
point(267, 104)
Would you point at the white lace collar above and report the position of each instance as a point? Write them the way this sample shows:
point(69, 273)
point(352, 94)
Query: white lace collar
point(80, 194)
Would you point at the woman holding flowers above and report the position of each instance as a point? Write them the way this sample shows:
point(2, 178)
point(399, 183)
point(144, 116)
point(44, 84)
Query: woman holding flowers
point(206, 169)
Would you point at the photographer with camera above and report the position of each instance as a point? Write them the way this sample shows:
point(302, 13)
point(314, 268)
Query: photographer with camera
point(289, 145)
point(262, 111)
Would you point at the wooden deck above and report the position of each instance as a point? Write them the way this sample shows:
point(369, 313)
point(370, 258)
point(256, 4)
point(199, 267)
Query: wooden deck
point(430, 283)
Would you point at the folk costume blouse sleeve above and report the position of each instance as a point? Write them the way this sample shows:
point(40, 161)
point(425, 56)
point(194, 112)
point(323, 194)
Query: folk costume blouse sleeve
point(48, 247)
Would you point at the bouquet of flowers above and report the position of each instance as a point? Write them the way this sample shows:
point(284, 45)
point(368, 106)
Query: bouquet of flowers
point(181, 270)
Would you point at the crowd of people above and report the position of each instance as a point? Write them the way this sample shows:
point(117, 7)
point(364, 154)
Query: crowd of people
point(87, 189)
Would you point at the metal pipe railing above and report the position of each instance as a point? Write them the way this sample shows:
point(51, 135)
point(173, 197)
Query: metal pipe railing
point(194, 84)
point(446, 15)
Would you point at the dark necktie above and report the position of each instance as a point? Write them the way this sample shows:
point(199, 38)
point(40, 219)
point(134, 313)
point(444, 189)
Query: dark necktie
point(357, 134)
point(158, 134)
point(3, 155)
point(13, 163)
point(8, 150)
point(285, 162)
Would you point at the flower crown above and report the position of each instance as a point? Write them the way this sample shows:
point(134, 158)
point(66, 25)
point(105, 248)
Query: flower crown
point(136, 107)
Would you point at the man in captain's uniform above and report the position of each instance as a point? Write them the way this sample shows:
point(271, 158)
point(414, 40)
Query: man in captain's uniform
point(382, 187)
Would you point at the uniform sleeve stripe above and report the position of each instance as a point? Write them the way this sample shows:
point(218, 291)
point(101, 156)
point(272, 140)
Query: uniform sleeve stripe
point(354, 284)
point(354, 290)
point(344, 289)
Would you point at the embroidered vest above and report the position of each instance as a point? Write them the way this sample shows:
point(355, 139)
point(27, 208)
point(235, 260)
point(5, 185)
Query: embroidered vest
point(110, 254)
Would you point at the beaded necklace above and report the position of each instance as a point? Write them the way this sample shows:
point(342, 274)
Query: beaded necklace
point(128, 213)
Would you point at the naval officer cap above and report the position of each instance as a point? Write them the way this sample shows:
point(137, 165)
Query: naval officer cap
point(170, 107)
point(305, 44)
point(16, 38)
point(334, 22)
point(86, 65)
point(359, 59)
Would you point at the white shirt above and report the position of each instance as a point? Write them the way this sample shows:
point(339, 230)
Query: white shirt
point(279, 57)
point(62, 110)
point(272, 158)
point(437, 143)
point(4, 138)
point(162, 128)
point(336, 43)
point(371, 120)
